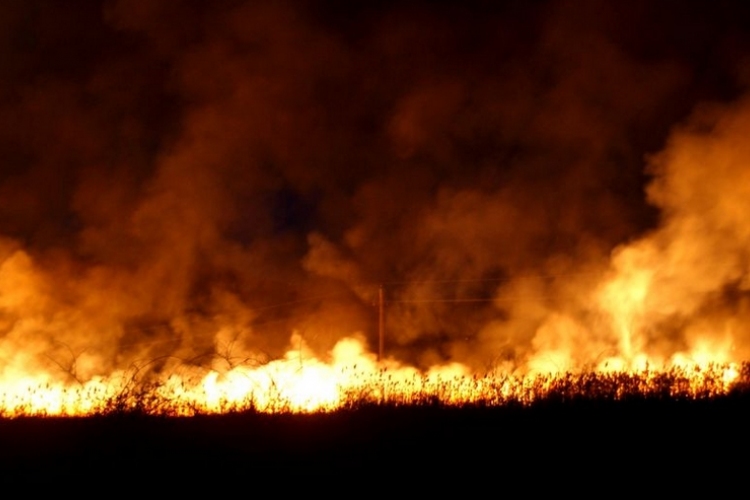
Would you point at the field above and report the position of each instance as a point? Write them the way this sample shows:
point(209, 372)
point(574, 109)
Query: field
point(610, 431)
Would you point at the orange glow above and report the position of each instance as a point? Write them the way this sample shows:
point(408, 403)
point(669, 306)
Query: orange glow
point(54, 362)
point(666, 316)
point(298, 383)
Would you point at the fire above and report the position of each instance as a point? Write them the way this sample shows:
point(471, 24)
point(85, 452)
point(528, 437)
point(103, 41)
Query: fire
point(41, 375)
point(301, 383)
point(663, 318)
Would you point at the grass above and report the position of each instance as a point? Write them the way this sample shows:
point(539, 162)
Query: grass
point(159, 398)
point(585, 430)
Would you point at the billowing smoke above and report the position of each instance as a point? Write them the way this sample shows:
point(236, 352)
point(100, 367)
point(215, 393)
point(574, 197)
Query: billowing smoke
point(194, 183)
point(684, 285)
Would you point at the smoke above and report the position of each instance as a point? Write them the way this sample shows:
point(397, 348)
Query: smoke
point(184, 183)
point(692, 272)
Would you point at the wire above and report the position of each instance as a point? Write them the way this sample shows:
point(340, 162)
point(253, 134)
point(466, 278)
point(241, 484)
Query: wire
point(486, 280)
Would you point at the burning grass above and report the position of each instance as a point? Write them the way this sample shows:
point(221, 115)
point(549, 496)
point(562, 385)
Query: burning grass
point(318, 388)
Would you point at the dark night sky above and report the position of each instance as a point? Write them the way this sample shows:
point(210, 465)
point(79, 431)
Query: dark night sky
point(172, 168)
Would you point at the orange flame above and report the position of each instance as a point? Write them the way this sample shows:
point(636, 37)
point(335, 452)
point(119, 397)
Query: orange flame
point(299, 383)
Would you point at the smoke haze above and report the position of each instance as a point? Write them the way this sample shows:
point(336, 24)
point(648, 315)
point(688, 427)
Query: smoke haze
point(532, 182)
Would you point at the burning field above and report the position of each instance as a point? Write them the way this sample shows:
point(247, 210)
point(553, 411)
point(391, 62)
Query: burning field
point(212, 209)
point(352, 379)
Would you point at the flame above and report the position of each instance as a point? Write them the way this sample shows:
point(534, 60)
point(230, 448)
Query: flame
point(662, 320)
point(569, 360)
point(301, 383)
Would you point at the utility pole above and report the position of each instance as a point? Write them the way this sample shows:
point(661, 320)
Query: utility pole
point(381, 323)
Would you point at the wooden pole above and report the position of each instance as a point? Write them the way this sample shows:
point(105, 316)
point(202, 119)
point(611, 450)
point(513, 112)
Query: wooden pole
point(381, 323)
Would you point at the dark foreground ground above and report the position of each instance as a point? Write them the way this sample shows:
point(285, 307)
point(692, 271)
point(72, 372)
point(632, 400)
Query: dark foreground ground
point(563, 444)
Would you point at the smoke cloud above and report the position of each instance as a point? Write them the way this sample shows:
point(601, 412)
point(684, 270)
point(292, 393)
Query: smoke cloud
point(530, 182)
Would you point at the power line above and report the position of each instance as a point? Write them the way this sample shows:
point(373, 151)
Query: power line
point(382, 300)
point(488, 280)
point(373, 284)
